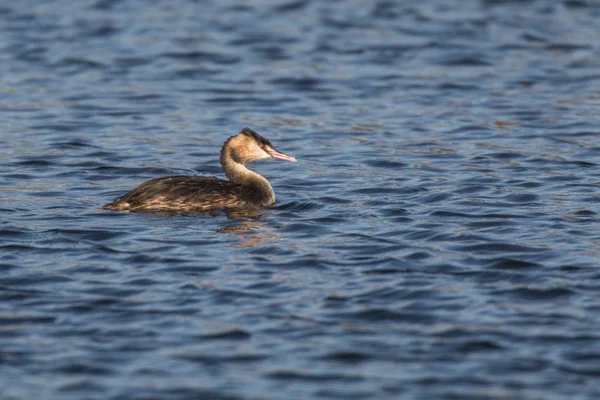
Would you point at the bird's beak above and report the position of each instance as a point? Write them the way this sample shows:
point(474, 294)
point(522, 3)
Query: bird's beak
point(279, 156)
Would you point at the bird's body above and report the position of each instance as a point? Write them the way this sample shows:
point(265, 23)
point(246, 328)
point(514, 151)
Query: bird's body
point(245, 188)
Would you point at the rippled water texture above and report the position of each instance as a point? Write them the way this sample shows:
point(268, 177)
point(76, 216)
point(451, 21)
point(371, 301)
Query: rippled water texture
point(439, 238)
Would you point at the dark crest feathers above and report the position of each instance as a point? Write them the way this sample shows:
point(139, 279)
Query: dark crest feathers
point(261, 140)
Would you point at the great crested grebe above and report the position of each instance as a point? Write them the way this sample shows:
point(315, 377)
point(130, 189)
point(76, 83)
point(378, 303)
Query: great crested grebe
point(245, 188)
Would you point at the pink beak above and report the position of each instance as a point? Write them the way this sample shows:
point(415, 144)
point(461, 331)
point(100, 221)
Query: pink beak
point(280, 156)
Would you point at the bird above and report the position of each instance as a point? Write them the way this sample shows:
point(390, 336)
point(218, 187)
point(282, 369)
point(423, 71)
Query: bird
point(194, 194)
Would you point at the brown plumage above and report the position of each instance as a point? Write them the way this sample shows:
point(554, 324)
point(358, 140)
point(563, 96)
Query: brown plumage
point(245, 188)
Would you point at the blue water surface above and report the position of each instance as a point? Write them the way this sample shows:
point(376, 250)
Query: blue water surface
point(439, 237)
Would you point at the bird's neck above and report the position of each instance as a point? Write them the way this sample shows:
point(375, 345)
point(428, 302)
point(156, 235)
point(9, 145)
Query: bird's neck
point(258, 187)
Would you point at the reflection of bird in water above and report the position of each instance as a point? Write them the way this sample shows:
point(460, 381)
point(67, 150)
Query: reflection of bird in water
point(249, 232)
point(245, 188)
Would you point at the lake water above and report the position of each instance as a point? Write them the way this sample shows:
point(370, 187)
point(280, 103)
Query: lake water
point(439, 237)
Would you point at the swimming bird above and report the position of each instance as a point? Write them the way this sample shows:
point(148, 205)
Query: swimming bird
point(188, 194)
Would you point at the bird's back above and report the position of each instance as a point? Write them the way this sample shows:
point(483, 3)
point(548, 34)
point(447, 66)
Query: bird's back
point(183, 194)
